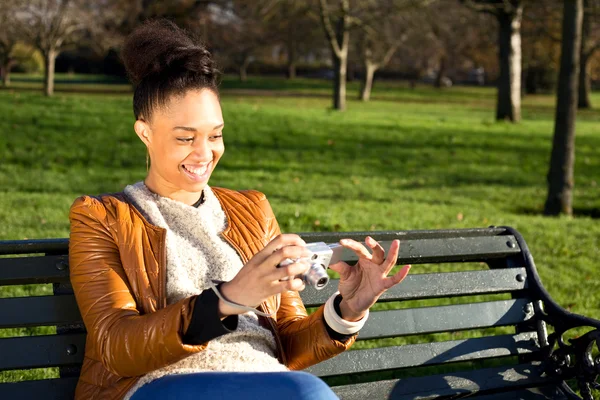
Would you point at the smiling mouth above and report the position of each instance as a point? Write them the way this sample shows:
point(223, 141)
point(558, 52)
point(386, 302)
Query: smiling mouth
point(197, 172)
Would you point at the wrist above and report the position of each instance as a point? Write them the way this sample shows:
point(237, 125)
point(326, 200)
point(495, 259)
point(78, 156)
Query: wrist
point(349, 314)
point(224, 309)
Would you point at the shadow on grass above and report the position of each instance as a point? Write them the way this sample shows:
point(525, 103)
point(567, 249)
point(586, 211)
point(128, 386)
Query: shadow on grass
point(593, 213)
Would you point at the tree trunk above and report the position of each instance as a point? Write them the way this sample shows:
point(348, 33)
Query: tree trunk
point(441, 72)
point(291, 52)
point(508, 106)
point(339, 83)
point(367, 81)
point(583, 101)
point(49, 62)
point(562, 159)
point(340, 63)
point(5, 73)
point(243, 72)
point(291, 70)
point(585, 85)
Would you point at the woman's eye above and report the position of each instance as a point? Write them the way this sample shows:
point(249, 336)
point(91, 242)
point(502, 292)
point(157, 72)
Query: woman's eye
point(185, 140)
point(217, 136)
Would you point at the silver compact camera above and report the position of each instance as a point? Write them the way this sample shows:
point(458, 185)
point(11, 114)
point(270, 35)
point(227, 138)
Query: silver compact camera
point(322, 256)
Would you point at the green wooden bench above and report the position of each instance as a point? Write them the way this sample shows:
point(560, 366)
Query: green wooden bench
point(486, 330)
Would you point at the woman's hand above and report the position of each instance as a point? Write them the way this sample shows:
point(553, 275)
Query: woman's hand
point(362, 284)
point(260, 278)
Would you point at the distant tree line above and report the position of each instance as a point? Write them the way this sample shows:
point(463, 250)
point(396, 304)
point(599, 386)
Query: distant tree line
point(523, 46)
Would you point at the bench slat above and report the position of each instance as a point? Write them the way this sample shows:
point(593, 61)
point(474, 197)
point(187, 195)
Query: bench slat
point(47, 389)
point(415, 251)
point(540, 393)
point(41, 351)
point(446, 250)
point(415, 355)
point(506, 378)
point(34, 270)
point(36, 311)
point(427, 286)
point(413, 321)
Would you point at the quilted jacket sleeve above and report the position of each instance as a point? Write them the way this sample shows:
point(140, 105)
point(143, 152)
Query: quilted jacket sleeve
point(304, 338)
point(127, 342)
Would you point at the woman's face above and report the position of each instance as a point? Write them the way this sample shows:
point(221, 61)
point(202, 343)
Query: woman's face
point(185, 143)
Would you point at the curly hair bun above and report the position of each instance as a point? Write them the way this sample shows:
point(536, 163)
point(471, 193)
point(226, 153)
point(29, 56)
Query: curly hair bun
point(162, 59)
point(160, 45)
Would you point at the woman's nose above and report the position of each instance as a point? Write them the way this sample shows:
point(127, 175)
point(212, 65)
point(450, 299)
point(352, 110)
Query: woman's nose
point(202, 149)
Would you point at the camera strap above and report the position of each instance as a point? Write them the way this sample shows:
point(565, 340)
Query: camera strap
point(236, 305)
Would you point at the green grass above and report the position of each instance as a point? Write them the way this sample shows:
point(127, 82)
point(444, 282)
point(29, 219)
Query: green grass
point(409, 159)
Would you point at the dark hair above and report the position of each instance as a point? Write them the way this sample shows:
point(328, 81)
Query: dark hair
point(163, 60)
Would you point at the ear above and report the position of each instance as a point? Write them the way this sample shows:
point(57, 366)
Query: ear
point(142, 129)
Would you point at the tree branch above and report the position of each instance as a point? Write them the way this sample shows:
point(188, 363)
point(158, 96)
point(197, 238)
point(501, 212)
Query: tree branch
point(329, 32)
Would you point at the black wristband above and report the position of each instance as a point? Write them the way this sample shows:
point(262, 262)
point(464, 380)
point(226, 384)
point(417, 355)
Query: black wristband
point(335, 335)
point(206, 324)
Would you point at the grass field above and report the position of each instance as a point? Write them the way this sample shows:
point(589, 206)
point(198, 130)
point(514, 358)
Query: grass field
point(409, 159)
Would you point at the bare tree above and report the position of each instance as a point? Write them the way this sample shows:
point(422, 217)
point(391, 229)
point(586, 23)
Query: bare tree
point(241, 30)
point(509, 14)
point(50, 26)
point(8, 38)
point(338, 38)
point(560, 174)
point(590, 43)
point(383, 27)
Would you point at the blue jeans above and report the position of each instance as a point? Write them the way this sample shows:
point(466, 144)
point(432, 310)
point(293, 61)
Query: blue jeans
point(236, 385)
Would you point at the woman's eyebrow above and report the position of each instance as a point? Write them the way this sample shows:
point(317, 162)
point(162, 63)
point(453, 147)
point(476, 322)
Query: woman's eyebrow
point(192, 129)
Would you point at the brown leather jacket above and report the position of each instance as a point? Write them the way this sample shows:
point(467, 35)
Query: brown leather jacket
point(117, 263)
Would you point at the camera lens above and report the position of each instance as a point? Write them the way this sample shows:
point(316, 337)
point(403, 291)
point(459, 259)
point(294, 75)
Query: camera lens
point(322, 282)
point(316, 276)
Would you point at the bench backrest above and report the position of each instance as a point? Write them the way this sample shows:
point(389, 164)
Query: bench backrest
point(496, 267)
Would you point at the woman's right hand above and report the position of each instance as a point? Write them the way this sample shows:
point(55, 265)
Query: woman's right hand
point(260, 278)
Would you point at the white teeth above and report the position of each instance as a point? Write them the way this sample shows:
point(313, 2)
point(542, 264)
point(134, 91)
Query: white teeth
point(196, 170)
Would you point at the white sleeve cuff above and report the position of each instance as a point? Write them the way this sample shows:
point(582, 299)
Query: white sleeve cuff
point(339, 324)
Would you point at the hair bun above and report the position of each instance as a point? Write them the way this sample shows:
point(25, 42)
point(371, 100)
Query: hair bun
point(158, 47)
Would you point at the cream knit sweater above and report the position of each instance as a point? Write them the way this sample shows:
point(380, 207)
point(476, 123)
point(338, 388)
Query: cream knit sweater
point(196, 253)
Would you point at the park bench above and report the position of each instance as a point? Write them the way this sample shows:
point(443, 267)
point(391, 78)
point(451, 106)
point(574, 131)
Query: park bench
point(512, 345)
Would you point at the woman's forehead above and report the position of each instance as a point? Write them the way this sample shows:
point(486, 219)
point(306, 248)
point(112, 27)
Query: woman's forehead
point(200, 109)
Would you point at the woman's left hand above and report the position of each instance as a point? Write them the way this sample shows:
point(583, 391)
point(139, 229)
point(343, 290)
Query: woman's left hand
point(362, 284)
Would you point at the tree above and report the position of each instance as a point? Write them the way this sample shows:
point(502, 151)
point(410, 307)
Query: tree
point(240, 30)
point(50, 25)
point(562, 159)
point(590, 43)
point(509, 14)
point(541, 46)
point(338, 39)
point(383, 27)
point(8, 39)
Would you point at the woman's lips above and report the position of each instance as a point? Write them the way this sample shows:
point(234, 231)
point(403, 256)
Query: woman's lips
point(197, 173)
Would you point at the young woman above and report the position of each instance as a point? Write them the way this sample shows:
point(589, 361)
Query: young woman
point(177, 281)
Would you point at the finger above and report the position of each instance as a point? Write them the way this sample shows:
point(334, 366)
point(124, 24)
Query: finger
point(378, 251)
point(356, 247)
point(280, 241)
point(341, 268)
point(293, 284)
point(392, 256)
point(399, 276)
point(289, 271)
point(275, 258)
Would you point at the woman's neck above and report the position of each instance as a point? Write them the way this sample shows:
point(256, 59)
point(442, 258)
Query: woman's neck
point(165, 190)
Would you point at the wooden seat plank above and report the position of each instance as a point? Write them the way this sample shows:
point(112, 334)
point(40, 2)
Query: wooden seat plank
point(416, 355)
point(41, 351)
